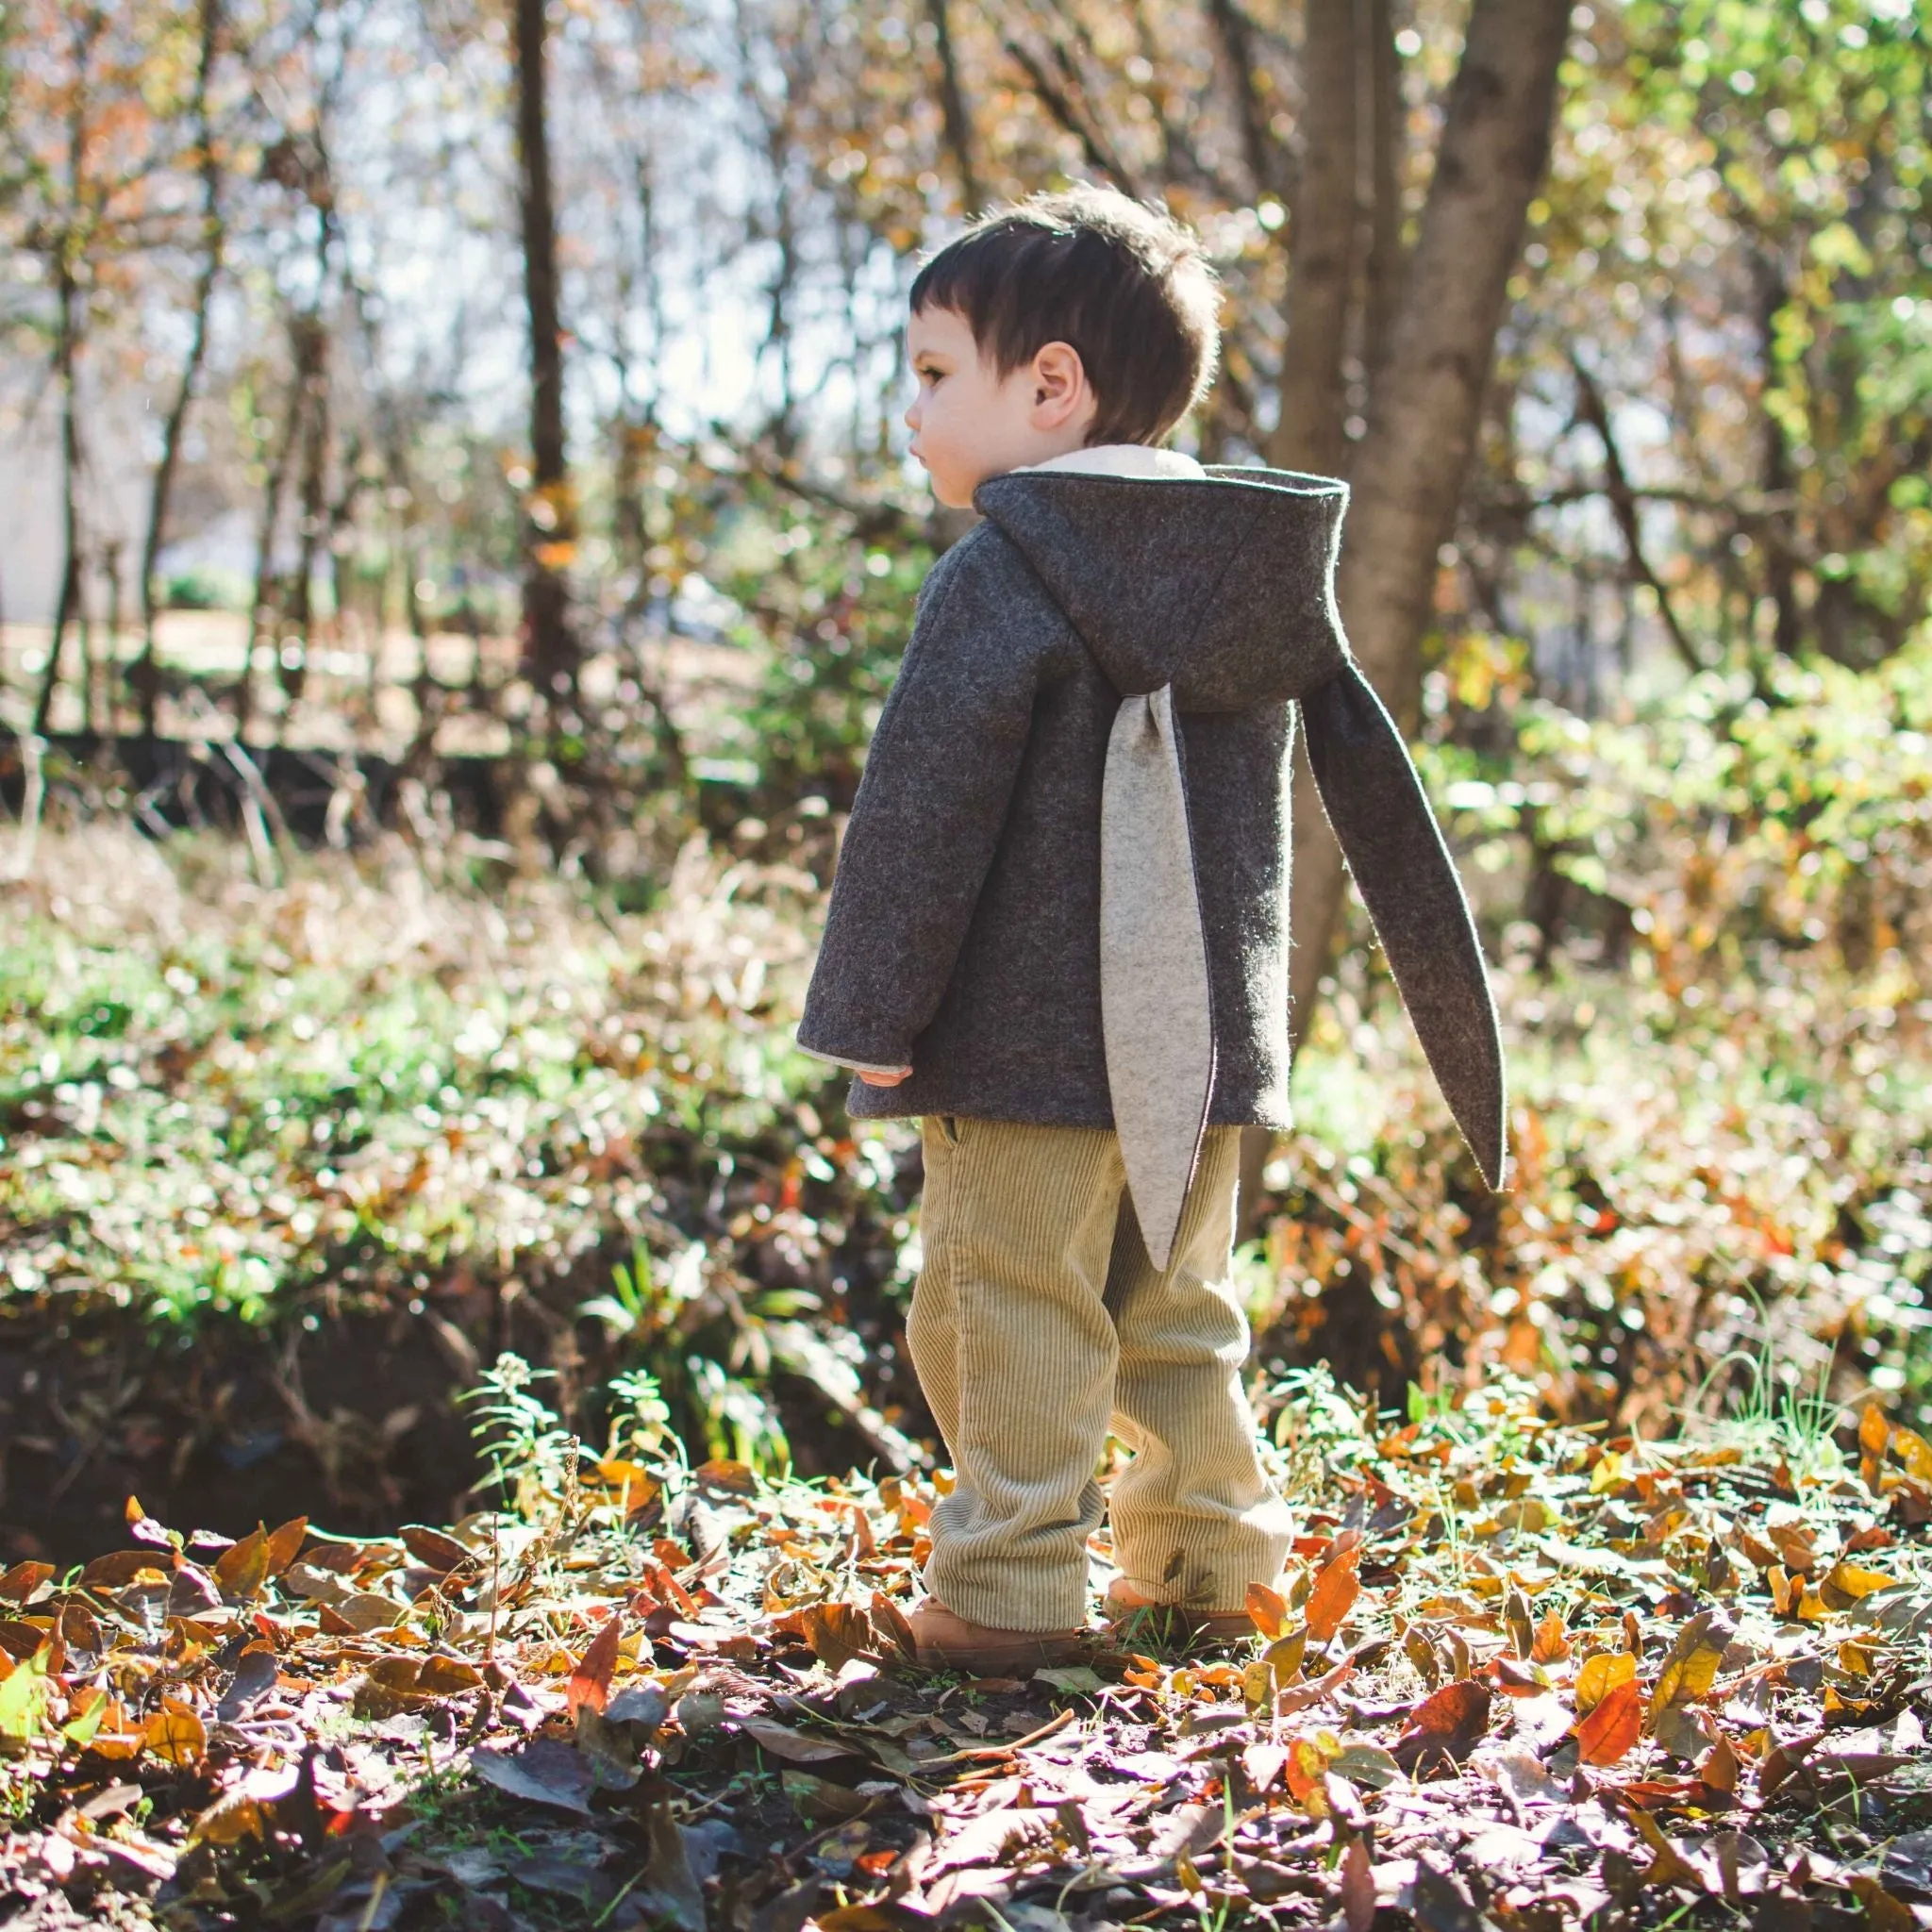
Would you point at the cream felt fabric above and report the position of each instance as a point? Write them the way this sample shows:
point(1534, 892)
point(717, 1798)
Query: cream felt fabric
point(1156, 1011)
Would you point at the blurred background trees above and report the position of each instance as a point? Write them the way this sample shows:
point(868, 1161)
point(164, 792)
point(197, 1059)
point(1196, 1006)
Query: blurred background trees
point(481, 417)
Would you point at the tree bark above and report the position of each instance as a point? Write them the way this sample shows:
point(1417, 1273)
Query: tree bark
point(549, 648)
point(1424, 407)
point(145, 675)
point(66, 356)
point(958, 121)
point(1322, 231)
point(1380, 146)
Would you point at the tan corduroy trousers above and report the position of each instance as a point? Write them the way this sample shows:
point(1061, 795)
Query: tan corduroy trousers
point(1037, 1323)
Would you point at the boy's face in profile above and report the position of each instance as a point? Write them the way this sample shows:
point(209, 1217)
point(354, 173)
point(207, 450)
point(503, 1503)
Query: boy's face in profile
point(969, 424)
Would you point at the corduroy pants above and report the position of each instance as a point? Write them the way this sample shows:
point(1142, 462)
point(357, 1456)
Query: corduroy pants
point(1037, 1323)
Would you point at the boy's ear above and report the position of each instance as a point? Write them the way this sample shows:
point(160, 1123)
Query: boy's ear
point(1060, 388)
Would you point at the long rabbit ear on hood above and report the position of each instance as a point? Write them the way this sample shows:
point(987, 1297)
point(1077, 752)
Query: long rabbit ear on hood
point(1216, 593)
point(1381, 817)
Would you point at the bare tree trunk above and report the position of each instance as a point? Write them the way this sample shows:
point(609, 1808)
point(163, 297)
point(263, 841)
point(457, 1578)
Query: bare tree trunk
point(1425, 406)
point(958, 121)
point(1322, 231)
point(1380, 147)
point(145, 675)
point(550, 651)
point(267, 594)
point(66, 356)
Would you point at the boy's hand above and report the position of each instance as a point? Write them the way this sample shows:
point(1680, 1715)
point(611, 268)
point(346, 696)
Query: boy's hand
point(885, 1079)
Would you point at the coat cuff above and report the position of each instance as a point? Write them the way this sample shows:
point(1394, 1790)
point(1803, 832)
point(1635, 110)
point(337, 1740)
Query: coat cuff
point(840, 1059)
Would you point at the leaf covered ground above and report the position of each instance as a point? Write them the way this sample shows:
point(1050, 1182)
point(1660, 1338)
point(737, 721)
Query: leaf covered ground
point(1518, 1674)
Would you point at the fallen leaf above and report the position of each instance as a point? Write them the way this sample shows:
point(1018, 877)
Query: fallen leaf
point(1445, 1727)
point(1853, 1583)
point(241, 1569)
point(835, 1632)
point(285, 1543)
point(117, 1569)
point(24, 1580)
point(231, 1818)
point(175, 1734)
point(1668, 1866)
point(590, 1682)
point(1613, 1727)
point(1718, 1767)
point(791, 1745)
point(1358, 1886)
point(1552, 1644)
point(1268, 1611)
point(1335, 1591)
point(674, 1894)
point(1599, 1675)
point(545, 1771)
point(434, 1548)
point(890, 1625)
point(1882, 1913)
point(1072, 1677)
point(1690, 1667)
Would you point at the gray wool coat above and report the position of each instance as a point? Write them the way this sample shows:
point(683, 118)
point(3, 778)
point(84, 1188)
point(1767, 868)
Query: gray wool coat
point(1096, 645)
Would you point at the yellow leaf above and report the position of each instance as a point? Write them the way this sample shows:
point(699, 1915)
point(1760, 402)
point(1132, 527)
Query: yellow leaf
point(1856, 1582)
point(1599, 1675)
point(231, 1818)
point(1692, 1667)
point(242, 1568)
point(1610, 1473)
point(1873, 1431)
point(1916, 1454)
point(176, 1735)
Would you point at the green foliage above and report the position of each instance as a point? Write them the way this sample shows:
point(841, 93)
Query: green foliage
point(529, 1454)
point(218, 1103)
point(828, 605)
point(1741, 822)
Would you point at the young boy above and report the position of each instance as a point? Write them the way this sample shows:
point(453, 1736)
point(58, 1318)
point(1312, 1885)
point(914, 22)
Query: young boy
point(1059, 926)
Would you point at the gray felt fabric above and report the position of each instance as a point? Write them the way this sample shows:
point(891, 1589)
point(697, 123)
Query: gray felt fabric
point(963, 935)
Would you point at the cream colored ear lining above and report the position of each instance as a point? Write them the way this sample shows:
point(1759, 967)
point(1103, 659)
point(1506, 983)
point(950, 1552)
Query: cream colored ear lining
point(1156, 1008)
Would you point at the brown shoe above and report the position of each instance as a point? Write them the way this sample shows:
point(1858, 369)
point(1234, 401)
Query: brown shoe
point(949, 1643)
point(1123, 1604)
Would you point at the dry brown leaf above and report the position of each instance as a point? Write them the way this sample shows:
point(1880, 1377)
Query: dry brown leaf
point(434, 1548)
point(590, 1682)
point(1552, 1643)
point(1358, 1886)
point(1613, 1727)
point(175, 1734)
point(1719, 1766)
point(1268, 1609)
point(1883, 1911)
point(1336, 1589)
point(285, 1543)
point(835, 1632)
point(241, 1569)
point(1668, 1866)
point(1445, 1727)
point(20, 1581)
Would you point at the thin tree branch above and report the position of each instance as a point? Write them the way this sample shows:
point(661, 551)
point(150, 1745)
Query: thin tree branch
point(1593, 409)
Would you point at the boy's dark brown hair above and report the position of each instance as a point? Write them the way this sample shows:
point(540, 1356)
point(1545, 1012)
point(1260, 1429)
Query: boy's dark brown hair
point(1122, 281)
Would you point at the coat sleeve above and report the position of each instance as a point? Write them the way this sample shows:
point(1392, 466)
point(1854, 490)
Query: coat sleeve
point(927, 818)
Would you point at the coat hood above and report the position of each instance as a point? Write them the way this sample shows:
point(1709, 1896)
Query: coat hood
point(1228, 596)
